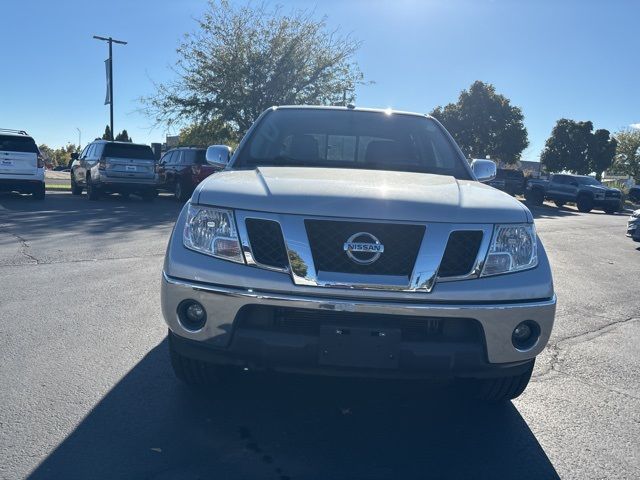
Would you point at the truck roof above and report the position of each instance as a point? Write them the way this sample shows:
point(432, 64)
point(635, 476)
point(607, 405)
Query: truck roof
point(349, 108)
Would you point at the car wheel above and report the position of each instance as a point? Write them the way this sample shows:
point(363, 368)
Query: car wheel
point(75, 188)
point(559, 203)
point(536, 197)
point(193, 372)
point(178, 192)
point(149, 195)
point(39, 193)
point(503, 389)
point(92, 191)
point(585, 203)
point(610, 211)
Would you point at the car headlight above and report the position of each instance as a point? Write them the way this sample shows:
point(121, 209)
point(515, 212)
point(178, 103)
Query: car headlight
point(513, 248)
point(212, 231)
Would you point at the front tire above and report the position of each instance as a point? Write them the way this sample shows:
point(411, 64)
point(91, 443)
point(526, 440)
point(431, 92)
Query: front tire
point(179, 193)
point(75, 188)
point(536, 197)
point(585, 203)
point(503, 389)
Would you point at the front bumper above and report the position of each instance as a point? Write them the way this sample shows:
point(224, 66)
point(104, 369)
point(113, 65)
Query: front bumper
point(223, 339)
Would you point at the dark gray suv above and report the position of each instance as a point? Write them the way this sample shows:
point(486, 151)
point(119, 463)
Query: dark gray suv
point(120, 167)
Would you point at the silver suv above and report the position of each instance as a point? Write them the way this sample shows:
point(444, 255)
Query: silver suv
point(356, 242)
point(107, 167)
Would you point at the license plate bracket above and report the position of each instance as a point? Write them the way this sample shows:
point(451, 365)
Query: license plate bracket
point(359, 347)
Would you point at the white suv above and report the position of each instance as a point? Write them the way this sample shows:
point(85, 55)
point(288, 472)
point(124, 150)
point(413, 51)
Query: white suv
point(21, 164)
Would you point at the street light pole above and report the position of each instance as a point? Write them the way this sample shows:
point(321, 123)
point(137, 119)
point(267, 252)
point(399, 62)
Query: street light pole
point(79, 138)
point(111, 41)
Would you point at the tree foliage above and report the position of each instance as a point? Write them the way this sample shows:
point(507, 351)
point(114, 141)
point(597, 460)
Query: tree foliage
point(107, 133)
point(484, 122)
point(123, 136)
point(59, 156)
point(243, 59)
point(205, 134)
point(574, 147)
point(627, 159)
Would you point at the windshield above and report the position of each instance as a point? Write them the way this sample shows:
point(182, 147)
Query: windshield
point(587, 181)
point(351, 139)
point(131, 150)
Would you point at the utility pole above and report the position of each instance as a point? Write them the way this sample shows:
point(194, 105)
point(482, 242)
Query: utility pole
point(111, 41)
point(79, 139)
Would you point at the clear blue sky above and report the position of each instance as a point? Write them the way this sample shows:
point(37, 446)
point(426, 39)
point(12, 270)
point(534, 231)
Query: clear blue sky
point(576, 58)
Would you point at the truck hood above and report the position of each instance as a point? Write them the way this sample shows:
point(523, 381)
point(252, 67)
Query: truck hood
point(362, 194)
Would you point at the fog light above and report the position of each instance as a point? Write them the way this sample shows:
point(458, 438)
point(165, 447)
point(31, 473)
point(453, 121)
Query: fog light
point(192, 315)
point(525, 335)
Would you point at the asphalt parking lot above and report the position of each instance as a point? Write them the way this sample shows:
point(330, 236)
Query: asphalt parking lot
point(88, 392)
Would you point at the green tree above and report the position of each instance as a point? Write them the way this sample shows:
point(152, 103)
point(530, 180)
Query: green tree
point(601, 152)
point(123, 137)
point(205, 134)
point(107, 133)
point(59, 156)
point(627, 159)
point(484, 122)
point(244, 59)
point(574, 147)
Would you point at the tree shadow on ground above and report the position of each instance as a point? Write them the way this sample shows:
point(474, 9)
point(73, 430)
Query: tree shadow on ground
point(291, 427)
point(66, 212)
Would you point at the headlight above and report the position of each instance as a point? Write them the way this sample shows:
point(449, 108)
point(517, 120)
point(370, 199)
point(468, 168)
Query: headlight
point(513, 248)
point(212, 231)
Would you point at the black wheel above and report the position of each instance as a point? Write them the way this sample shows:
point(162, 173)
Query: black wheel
point(39, 192)
point(559, 203)
point(92, 191)
point(149, 195)
point(610, 210)
point(495, 390)
point(194, 372)
point(75, 188)
point(179, 192)
point(585, 203)
point(536, 197)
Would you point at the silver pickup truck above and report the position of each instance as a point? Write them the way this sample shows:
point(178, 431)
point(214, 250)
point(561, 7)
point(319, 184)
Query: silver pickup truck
point(356, 242)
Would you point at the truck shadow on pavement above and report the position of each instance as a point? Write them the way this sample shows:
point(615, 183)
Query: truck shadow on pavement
point(284, 428)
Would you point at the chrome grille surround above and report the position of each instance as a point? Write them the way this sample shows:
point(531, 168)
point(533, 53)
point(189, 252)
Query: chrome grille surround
point(302, 268)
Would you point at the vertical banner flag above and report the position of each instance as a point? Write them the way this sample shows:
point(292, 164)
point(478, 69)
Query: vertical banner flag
point(107, 65)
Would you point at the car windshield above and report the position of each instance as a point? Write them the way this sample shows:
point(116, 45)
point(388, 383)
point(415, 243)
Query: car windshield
point(124, 150)
point(15, 143)
point(587, 181)
point(351, 139)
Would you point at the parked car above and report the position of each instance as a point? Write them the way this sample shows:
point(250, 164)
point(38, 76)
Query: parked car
point(107, 167)
point(21, 164)
point(634, 194)
point(509, 180)
point(633, 226)
point(586, 192)
point(356, 242)
point(181, 170)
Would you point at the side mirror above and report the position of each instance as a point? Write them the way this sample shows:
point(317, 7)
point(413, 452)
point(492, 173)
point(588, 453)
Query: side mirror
point(218, 155)
point(484, 170)
point(74, 156)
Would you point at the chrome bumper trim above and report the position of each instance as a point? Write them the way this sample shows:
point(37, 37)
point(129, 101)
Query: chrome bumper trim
point(497, 319)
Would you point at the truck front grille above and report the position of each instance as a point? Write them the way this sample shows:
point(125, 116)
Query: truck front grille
point(401, 244)
point(267, 243)
point(460, 254)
